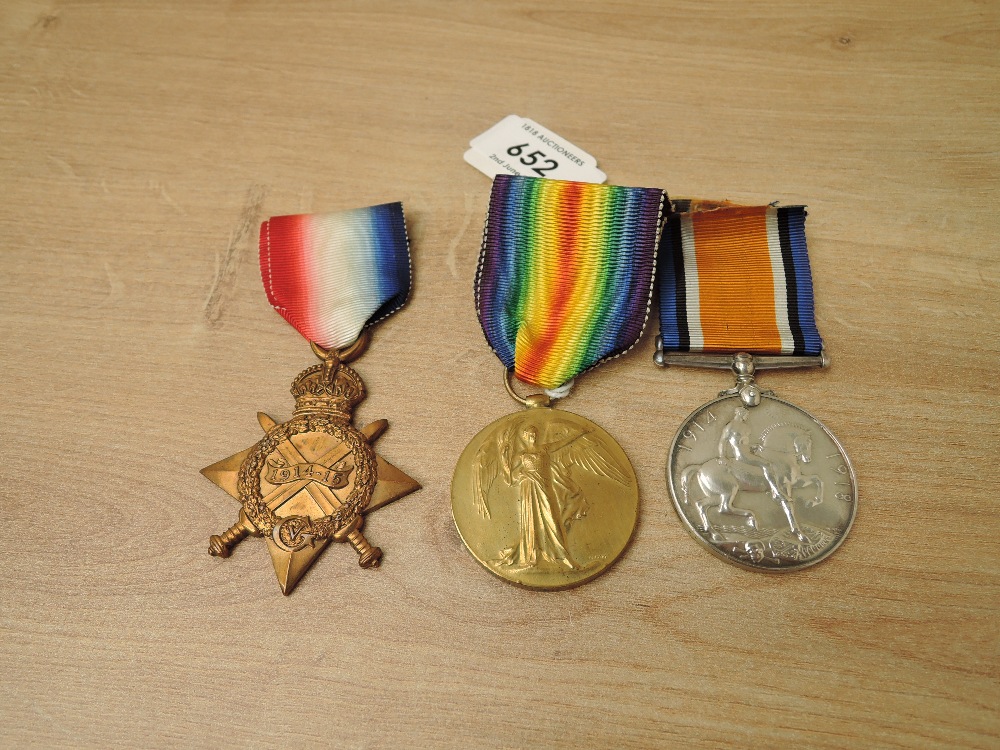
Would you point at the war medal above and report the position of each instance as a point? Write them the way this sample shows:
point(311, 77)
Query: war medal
point(544, 498)
point(313, 478)
point(760, 482)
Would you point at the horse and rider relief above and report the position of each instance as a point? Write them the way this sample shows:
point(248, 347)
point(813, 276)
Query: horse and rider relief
point(766, 486)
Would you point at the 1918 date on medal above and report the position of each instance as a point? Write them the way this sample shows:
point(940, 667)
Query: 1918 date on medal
point(766, 486)
point(545, 499)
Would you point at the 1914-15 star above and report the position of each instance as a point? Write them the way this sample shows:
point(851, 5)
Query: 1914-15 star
point(309, 477)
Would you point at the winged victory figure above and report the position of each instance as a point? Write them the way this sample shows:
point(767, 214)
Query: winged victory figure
point(542, 469)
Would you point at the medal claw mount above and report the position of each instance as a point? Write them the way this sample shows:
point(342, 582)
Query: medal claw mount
point(312, 479)
point(760, 482)
point(727, 361)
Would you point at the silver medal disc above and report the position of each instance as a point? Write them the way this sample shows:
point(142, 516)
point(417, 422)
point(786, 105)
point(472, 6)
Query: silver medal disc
point(767, 487)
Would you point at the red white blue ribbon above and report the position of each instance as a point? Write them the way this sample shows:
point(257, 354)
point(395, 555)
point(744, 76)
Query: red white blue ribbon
point(332, 275)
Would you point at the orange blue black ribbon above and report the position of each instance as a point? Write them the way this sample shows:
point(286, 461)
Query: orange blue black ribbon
point(737, 278)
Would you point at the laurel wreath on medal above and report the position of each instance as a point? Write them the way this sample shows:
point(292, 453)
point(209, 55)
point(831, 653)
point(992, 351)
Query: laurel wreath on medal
point(365, 476)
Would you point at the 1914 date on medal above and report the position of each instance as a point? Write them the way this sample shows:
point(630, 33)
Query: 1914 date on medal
point(310, 480)
point(766, 486)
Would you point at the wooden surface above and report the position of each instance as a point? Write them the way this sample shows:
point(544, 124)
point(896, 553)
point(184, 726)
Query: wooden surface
point(143, 142)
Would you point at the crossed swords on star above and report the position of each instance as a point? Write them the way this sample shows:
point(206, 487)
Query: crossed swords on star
point(221, 545)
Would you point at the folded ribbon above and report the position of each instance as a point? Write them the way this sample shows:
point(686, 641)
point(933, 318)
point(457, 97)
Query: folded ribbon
point(565, 274)
point(737, 278)
point(332, 275)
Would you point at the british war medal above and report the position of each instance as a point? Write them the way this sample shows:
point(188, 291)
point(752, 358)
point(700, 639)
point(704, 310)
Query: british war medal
point(312, 479)
point(758, 481)
point(544, 498)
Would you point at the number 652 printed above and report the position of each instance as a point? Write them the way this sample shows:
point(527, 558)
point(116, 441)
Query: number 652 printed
point(530, 160)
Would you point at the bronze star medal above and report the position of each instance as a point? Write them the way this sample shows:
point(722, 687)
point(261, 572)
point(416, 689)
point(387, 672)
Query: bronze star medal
point(313, 478)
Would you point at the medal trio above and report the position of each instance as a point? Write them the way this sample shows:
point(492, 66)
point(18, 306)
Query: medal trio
point(545, 498)
point(758, 481)
point(312, 479)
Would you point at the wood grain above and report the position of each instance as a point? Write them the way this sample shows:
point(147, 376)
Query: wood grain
point(143, 142)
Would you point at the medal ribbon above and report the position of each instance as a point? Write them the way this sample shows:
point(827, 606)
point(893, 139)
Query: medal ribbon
point(332, 275)
point(565, 274)
point(737, 278)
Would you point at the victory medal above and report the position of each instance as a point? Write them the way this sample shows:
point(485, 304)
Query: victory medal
point(544, 498)
point(313, 478)
point(760, 482)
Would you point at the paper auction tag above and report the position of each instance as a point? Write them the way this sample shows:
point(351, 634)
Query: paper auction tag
point(519, 146)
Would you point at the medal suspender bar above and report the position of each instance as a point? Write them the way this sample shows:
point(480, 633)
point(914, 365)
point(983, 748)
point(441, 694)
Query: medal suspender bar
point(758, 481)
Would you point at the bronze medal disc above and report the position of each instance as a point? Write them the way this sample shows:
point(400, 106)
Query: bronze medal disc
point(545, 499)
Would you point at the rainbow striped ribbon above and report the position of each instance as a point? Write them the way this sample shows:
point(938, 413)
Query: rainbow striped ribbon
point(332, 275)
point(565, 274)
point(737, 279)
